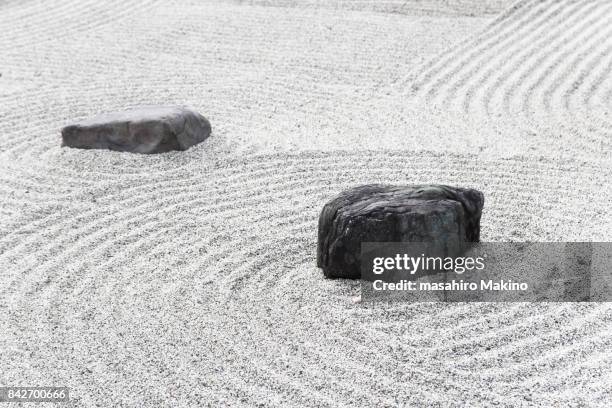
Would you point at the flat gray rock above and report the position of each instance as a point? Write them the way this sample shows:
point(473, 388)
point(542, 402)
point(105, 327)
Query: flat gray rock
point(151, 129)
point(445, 216)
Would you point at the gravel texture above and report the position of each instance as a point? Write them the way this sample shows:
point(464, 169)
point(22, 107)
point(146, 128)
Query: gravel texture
point(190, 278)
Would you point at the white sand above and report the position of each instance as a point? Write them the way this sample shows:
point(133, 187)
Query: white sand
point(189, 277)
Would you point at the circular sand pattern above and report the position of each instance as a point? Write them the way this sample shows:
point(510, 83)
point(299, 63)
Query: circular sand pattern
point(268, 78)
point(189, 277)
point(202, 280)
point(542, 66)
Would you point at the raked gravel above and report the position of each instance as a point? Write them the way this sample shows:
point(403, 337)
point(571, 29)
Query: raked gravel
point(189, 278)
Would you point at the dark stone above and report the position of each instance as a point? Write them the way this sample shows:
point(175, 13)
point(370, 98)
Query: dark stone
point(445, 216)
point(143, 130)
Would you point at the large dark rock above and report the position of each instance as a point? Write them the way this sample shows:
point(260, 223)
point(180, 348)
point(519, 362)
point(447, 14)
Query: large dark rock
point(447, 217)
point(142, 130)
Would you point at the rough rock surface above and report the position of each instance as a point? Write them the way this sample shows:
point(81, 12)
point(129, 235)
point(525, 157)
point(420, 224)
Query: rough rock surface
point(153, 129)
point(443, 215)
